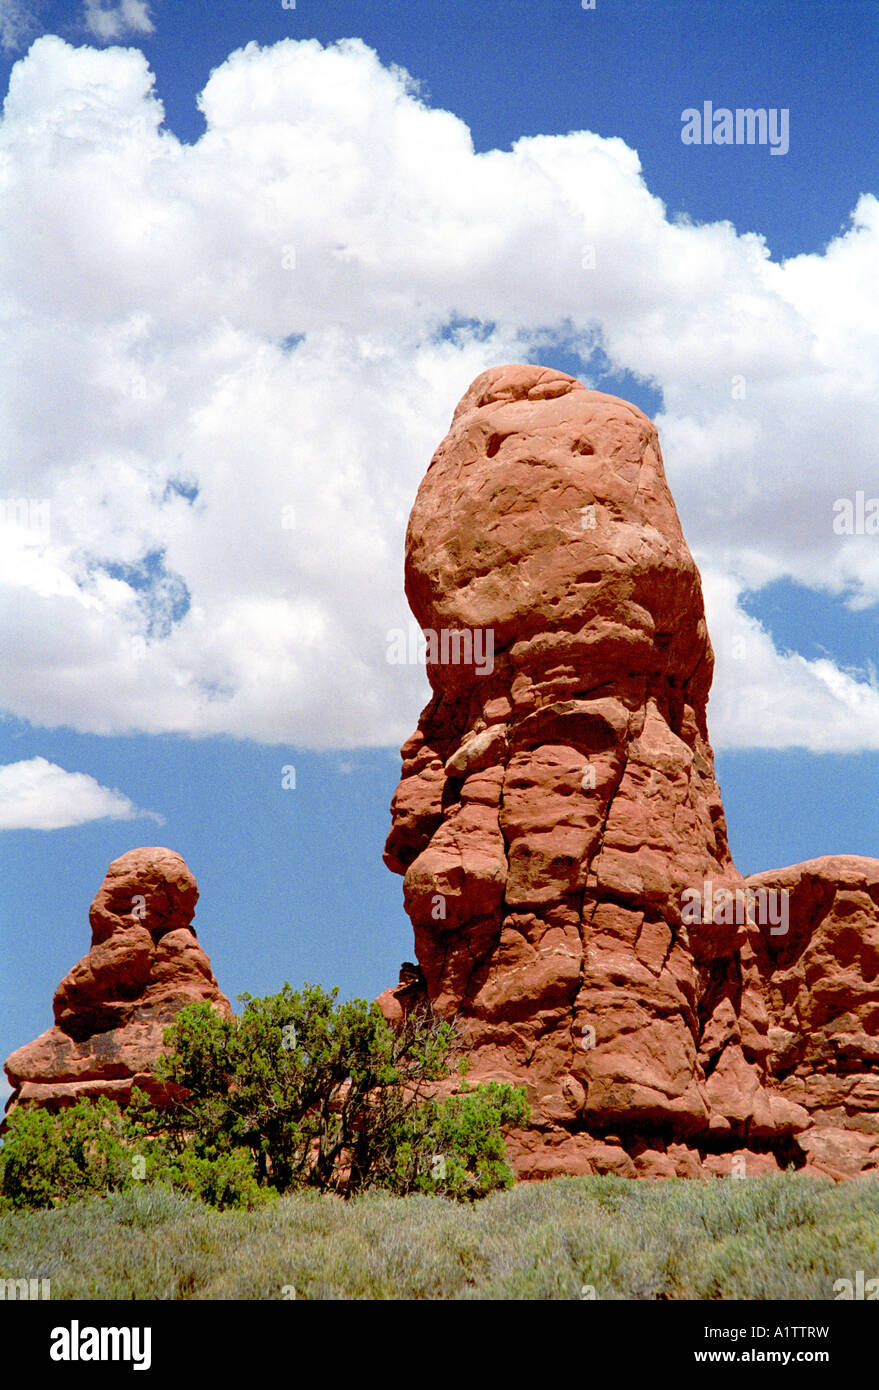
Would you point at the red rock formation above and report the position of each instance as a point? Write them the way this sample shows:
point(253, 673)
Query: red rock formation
point(821, 981)
point(557, 820)
point(145, 964)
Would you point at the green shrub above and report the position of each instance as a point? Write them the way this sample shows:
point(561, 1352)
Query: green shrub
point(87, 1147)
point(94, 1147)
point(298, 1091)
point(455, 1146)
point(226, 1180)
point(331, 1096)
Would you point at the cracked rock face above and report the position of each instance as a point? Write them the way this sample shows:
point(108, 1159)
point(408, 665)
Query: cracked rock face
point(822, 991)
point(557, 821)
point(144, 965)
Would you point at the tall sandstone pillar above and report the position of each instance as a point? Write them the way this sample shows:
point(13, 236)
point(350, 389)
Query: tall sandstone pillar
point(558, 815)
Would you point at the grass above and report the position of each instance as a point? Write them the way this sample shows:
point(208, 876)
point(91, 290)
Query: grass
point(762, 1238)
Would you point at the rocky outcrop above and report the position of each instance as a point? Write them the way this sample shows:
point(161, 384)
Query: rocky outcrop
point(145, 964)
point(821, 980)
point(558, 823)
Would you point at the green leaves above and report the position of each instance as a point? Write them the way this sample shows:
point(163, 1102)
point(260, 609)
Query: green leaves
point(297, 1091)
point(89, 1147)
point(455, 1146)
point(329, 1095)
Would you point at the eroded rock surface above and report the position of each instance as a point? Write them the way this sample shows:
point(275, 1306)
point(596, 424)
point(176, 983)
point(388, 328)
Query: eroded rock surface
point(822, 992)
point(144, 965)
point(559, 827)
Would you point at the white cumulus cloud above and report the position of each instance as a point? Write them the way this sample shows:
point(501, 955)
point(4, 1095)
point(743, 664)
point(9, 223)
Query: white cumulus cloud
point(109, 21)
point(229, 364)
point(38, 795)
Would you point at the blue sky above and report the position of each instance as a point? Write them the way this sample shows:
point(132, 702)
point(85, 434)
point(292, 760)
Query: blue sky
point(176, 378)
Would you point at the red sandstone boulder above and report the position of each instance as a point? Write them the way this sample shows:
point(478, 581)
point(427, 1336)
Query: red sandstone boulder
point(144, 965)
point(557, 822)
point(821, 982)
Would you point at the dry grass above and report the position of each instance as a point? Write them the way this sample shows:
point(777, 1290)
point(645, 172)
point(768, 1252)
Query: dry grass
point(761, 1238)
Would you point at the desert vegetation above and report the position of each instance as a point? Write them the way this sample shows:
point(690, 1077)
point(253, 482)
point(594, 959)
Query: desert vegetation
point(296, 1092)
point(779, 1237)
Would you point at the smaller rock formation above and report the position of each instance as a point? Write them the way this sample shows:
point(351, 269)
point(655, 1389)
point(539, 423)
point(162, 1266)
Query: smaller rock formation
point(820, 979)
point(144, 965)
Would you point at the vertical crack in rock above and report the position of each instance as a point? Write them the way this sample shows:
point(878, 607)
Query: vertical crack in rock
point(583, 927)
